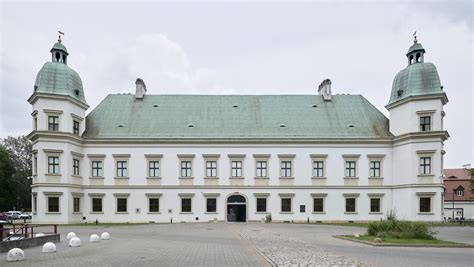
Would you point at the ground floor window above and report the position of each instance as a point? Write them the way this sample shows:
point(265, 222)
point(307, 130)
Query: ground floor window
point(286, 204)
point(261, 204)
point(375, 205)
point(425, 204)
point(97, 204)
point(121, 204)
point(211, 205)
point(53, 204)
point(76, 204)
point(154, 204)
point(318, 204)
point(35, 205)
point(186, 205)
point(350, 204)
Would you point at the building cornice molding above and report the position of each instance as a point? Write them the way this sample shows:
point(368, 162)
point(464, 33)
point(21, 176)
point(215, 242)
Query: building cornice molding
point(35, 96)
point(443, 135)
point(441, 96)
point(35, 135)
point(388, 187)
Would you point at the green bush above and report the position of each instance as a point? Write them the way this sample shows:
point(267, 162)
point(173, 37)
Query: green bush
point(400, 229)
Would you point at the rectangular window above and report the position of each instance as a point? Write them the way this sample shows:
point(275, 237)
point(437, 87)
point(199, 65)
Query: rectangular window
point(302, 208)
point(350, 168)
point(154, 204)
point(186, 205)
point(76, 204)
point(153, 168)
point(186, 168)
point(96, 168)
point(318, 204)
point(35, 203)
point(122, 168)
point(261, 204)
point(53, 123)
point(425, 204)
point(286, 205)
point(211, 205)
point(75, 167)
point(35, 164)
point(425, 123)
point(97, 204)
point(261, 168)
point(285, 170)
point(460, 192)
point(211, 168)
point(121, 204)
point(75, 127)
point(425, 165)
point(53, 164)
point(375, 205)
point(236, 170)
point(53, 204)
point(318, 168)
point(375, 168)
point(350, 204)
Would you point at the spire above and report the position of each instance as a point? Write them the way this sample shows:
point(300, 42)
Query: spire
point(59, 52)
point(416, 52)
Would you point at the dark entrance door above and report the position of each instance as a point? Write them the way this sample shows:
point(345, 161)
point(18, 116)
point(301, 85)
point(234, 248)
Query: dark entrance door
point(236, 209)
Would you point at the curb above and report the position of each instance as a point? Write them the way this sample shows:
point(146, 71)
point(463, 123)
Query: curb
point(403, 245)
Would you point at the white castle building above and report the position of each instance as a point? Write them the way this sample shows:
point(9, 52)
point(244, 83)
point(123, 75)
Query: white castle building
point(161, 158)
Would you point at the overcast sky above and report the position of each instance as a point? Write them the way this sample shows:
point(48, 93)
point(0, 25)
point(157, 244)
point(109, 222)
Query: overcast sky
point(241, 48)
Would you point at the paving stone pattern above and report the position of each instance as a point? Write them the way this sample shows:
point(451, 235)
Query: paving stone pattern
point(282, 250)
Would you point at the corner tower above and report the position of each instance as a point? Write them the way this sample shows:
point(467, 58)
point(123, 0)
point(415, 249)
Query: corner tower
point(58, 122)
point(416, 121)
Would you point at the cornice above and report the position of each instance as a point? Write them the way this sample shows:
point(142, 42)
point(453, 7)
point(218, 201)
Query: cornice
point(441, 96)
point(443, 135)
point(35, 135)
point(35, 96)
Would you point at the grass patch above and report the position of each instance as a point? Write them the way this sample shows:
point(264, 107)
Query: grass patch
point(403, 241)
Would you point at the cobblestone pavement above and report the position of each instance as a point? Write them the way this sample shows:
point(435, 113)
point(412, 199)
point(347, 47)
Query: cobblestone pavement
point(239, 244)
point(283, 250)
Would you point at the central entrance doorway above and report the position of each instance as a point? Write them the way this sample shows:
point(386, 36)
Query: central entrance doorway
point(236, 209)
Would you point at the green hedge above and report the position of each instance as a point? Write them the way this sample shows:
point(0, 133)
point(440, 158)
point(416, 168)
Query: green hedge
point(400, 229)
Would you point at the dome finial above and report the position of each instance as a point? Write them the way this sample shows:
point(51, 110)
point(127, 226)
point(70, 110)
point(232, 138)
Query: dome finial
point(414, 38)
point(59, 36)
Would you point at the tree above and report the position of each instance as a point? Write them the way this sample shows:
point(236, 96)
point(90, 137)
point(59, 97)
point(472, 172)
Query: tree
point(19, 150)
point(7, 187)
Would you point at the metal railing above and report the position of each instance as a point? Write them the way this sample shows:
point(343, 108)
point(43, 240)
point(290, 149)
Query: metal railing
point(21, 231)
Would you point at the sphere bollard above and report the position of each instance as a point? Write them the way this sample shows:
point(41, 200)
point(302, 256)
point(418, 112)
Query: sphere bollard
point(70, 235)
point(94, 238)
point(75, 242)
point(49, 247)
point(105, 236)
point(15, 254)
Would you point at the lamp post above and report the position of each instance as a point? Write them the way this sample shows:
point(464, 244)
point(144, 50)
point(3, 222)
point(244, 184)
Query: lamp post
point(454, 190)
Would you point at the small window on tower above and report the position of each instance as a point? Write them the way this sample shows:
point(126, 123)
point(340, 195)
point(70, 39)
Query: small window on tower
point(76, 92)
point(58, 56)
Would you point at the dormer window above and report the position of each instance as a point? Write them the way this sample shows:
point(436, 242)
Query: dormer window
point(460, 191)
point(76, 92)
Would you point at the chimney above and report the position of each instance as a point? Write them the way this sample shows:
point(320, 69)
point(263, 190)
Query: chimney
point(325, 90)
point(140, 88)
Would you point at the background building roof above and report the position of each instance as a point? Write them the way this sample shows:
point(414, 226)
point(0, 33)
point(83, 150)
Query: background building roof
point(235, 116)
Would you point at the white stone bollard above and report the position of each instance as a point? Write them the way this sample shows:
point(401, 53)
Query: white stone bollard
point(39, 235)
point(15, 254)
point(356, 235)
point(70, 235)
point(105, 236)
point(94, 238)
point(49, 247)
point(75, 242)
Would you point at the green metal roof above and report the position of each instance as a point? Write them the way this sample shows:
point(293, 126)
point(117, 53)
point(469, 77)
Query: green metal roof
point(235, 116)
point(59, 46)
point(59, 79)
point(415, 80)
point(415, 47)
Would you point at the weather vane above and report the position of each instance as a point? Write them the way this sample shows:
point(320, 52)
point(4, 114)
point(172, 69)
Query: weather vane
point(59, 37)
point(414, 38)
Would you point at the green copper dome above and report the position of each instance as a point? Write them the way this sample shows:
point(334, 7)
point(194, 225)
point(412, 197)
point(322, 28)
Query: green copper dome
point(59, 79)
point(417, 79)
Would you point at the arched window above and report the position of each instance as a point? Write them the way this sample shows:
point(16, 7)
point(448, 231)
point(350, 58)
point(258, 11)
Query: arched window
point(418, 57)
point(411, 59)
point(460, 192)
point(58, 56)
